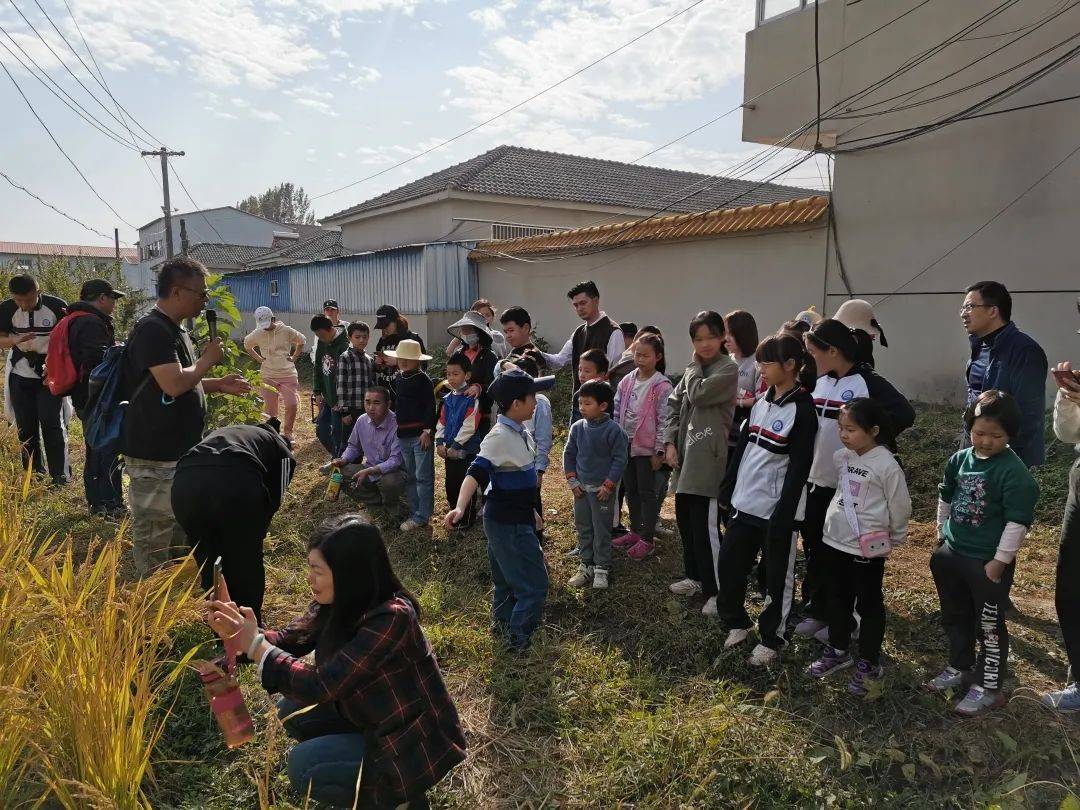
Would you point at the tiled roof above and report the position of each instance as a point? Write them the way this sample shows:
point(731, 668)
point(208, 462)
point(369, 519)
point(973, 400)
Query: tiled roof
point(49, 249)
point(721, 222)
point(326, 245)
point(218, 256)
point(513, 171)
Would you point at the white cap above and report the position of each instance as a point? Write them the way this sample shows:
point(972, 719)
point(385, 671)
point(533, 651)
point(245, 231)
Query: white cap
point(264, 316)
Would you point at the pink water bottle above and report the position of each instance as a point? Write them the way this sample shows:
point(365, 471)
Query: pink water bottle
point(227, 704)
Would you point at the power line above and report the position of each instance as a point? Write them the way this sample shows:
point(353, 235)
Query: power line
point(981, 228)
point(197, 207)
point(516, 106)
point(47, 204)
point(71, 103)
point(74, 165)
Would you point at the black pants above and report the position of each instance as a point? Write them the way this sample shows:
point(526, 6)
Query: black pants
point(744, 538)
point(225, 512)
point(813, 526)
point(973, 610)
point(456, 468)
point(645, 493)
point(38, 411)
point(1066, 590)
point(854, 584)
point(699, 529)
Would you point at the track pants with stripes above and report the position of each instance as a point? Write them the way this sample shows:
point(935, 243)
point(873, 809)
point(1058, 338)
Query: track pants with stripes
point(745, 537)
point(816, 580)
point(699, 529)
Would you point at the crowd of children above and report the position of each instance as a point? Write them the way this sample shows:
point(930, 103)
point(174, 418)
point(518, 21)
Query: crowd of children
point(761, 441)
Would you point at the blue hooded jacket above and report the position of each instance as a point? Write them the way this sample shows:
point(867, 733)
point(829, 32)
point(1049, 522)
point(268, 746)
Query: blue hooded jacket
point(1018, 367)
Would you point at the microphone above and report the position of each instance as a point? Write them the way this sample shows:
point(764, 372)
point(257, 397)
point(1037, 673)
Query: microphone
point(211, 322)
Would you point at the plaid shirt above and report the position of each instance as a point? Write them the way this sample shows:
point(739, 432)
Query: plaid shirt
point(386, 681)
point(355, 375)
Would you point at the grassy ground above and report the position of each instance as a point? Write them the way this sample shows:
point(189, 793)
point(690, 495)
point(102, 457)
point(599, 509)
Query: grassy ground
point(627, 697)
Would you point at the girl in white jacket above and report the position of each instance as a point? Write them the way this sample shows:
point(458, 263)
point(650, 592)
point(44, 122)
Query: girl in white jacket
point(868, 515)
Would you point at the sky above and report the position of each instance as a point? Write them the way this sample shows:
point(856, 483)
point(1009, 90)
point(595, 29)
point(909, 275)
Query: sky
point(325, 92)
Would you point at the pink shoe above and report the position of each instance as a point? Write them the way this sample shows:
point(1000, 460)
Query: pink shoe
point(628, 540)
point(641, 550)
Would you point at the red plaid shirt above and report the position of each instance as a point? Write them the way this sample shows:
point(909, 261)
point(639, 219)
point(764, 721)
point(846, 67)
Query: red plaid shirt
point(386, 681)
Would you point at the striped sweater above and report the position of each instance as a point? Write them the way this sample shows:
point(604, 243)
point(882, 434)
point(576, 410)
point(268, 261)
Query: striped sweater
point(505, 469)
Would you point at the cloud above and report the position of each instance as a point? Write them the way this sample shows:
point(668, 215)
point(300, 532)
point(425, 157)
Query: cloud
point(492, 18)
point(625, 121)
point(365, 76)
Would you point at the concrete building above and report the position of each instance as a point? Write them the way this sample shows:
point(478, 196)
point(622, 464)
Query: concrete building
point(768, 259)
point(513, 192)
point(226, 225)
point(26, 256)
point(920, 218)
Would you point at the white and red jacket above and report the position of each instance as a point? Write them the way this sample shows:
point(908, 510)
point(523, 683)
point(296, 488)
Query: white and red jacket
point(767, 474)
point(830, 394)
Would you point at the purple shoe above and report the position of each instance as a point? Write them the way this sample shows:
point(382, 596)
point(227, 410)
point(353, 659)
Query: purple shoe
point(626, 541)
point(832, 660)
point(863, 678)
point(640, 550)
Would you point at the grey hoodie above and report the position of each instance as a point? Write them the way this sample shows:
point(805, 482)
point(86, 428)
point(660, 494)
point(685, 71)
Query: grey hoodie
point(699, 419)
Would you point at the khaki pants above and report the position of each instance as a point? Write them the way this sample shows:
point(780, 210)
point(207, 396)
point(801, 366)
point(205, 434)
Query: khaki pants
point(155, 535)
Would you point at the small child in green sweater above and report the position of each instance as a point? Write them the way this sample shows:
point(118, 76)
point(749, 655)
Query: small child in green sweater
point(986, 506)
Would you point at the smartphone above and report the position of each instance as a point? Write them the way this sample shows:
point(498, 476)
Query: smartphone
point(217, 578)
point(1066, 378)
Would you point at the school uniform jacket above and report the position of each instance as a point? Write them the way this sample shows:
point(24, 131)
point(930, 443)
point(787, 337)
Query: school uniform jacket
point(767, 476)
point(830, 394)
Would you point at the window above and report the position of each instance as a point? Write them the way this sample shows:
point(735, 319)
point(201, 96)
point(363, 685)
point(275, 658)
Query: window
point(507, 231)
point(768, 9)
point(273, 288)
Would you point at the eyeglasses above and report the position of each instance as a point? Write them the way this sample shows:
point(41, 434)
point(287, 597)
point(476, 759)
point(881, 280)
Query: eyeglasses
point(204, 294)
point(966, 308)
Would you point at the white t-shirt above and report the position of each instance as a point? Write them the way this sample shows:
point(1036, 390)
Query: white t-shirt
point(748, 375)
point(632, 408)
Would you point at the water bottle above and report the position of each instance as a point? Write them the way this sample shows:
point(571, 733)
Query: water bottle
point(227, 704)
point(333, 489)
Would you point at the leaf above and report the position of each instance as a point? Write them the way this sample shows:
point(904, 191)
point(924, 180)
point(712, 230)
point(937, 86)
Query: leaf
point(1070, 802)
point(895, 754)
point(865, 760)
point(1016, 783)
point(1007, 742)
point(909, 771)
point(929, 763)
point(845, 755)
point(771, 697)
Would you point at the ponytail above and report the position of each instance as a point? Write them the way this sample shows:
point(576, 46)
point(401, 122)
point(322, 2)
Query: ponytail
point(781, 348)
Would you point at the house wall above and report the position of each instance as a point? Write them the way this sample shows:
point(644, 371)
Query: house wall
point(235, 228)
point(773, 275)
point(902, 208)
point(441, 219)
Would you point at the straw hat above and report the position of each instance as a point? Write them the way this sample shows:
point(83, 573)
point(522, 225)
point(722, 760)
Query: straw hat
point(407, 349)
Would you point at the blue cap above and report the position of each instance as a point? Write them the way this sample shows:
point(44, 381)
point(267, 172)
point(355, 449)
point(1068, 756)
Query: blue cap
point(516, 384)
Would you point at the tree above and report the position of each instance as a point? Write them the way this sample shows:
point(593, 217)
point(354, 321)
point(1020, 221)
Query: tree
point(284, 203)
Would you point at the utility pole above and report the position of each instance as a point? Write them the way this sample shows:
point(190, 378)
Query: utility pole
point(165, 154)
point(116, 242)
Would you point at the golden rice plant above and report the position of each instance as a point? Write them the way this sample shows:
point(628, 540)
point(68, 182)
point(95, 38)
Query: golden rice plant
point(84, 663)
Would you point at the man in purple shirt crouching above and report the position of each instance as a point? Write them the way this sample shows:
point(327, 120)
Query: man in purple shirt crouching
point(372, 463)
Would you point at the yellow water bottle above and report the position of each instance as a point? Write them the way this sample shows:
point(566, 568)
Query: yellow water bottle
point(333, 489)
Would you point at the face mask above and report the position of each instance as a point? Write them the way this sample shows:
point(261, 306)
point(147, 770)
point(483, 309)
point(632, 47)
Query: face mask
point(470, 338)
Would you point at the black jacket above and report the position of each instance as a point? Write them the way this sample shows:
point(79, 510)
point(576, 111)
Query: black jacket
point(88, 338)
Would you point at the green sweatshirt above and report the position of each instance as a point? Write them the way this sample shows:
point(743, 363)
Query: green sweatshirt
point(983, 495)
point(326, 360)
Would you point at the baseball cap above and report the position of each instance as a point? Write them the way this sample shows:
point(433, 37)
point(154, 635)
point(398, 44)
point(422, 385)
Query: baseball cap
point(96, 287)
point(264, 316)
point(385, 315)
point(330, 303)
point(515, 384)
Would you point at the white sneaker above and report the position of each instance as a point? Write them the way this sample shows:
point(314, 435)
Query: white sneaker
point(763, 656)
point(599, 578)
point(808, 627)
point(710, 608)
point(736, 637)
point(582, 578)
point(685, 587)
point(411, 525)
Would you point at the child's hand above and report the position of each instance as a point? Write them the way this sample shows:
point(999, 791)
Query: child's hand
point(605, 493)
point(452, 517)
point(995, 569)
point(441, 450)
point(578, 492)
point(473, 390)
point(425, 441)
point(671, 456)
point(656, 462)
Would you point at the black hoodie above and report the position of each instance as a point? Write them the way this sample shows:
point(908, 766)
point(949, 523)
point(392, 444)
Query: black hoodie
point(88, 338)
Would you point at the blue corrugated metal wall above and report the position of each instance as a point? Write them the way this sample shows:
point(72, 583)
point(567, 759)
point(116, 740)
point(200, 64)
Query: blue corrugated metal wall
point(415, 279)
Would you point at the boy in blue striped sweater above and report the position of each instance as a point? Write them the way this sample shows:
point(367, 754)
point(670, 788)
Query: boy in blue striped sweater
point(505, 470)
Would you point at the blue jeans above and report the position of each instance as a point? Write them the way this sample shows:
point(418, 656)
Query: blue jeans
point(102, 480)
point(329, 756)
point(329, 430)
point(420, 490)
point(520, 577)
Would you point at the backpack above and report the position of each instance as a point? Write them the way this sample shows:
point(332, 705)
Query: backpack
point(105, 405)
point(61, 375)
